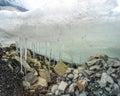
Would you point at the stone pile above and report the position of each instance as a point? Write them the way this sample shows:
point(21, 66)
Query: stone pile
point(99, 76)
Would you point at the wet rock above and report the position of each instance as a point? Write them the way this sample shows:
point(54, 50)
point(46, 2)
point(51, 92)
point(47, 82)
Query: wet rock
point(81, 84)
point(54, 88)
point(62, 86)
point(104, 79)
point(60, 68)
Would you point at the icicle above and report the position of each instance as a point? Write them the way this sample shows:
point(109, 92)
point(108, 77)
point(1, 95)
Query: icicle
point(25, 53)
point(33, 47)
point(21, 54)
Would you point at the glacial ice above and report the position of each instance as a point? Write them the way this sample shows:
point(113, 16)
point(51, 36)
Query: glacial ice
point(71, 30)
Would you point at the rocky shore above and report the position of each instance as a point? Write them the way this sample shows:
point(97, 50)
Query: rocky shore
point(39, 76)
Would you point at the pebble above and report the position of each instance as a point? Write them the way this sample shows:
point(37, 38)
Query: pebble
point(70, 76)
point(62, 86)
point(81, 84)
point(54, 88)
point(71, 88)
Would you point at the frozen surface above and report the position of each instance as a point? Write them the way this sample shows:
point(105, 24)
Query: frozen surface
point(71, 30)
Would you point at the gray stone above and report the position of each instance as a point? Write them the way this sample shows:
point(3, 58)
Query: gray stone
point(30, 77)
point(83, 93)
point(75, 76)
point(75, 71)
point(70, 76)
point(113, 62)
point(71, 88)
point(54, 88)
point(76, 92)
point(115, 89)
point(69, 70)
point(57, 93)
point(66, 95)
point(93, 62)
point(95, 67)
point(104, 79)
point(62, 86)
point(111, 70)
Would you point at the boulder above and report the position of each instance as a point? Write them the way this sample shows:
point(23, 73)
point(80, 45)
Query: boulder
point(60, 68)
point(104, 79)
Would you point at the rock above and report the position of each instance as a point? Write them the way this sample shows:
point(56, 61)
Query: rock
point(54, 88)
point(113, 62)
point(70, 76)
point(75, 71)
point(29, 54)
point(57, 93)
point(69, 70)
point(81, 84)
point(0, 45)
point(60, 68)
point(45, 74)
point(83, 93)
point(95, 67)
point(115, 89)
point(104, 79)
point(71, 88)
point(77, 92)
point(1, 53)
point(24, 63)
point(62, 86)
point(26, 84)
point(40, 82)
point(66, 95)
point(111, 70)
point(99, 56)
point(93, 62)
point(13, 53)
point(30, 77)
point(75, 76)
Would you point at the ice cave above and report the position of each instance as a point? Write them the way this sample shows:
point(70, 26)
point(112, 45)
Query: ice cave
point(61, 30)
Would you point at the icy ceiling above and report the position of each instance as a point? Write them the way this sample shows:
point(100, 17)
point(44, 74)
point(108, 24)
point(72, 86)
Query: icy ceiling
point(73, 28)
